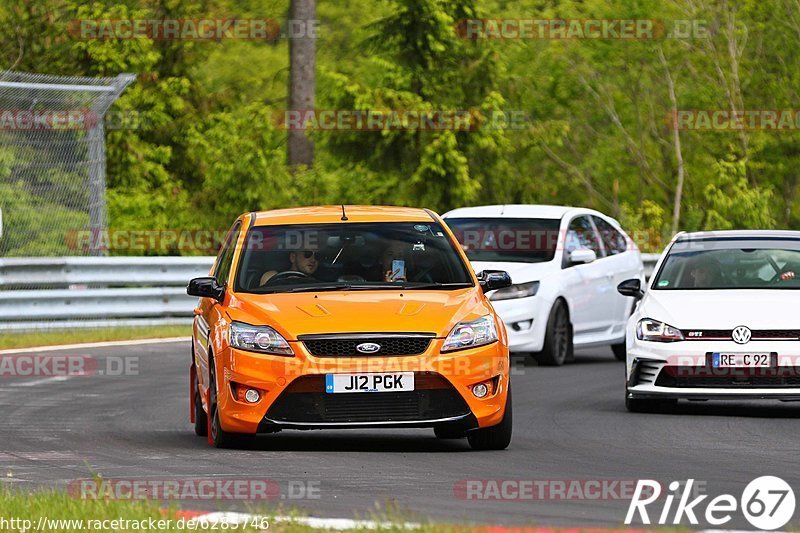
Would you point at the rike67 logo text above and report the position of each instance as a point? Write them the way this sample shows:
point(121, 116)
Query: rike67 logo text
point(767, 503)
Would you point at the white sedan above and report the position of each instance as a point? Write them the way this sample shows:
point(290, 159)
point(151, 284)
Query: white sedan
point(565, 263)
point(718, 321)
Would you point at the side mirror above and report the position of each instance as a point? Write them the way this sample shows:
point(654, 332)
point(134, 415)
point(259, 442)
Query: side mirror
point(631, 287)
point(206, 287)
point(581, 256)
point(492, 280)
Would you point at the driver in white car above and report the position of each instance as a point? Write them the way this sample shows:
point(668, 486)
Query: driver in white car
point(305, 261)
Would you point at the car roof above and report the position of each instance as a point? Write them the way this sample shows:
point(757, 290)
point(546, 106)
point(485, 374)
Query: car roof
point(517, 211)
point(732, 234)
point(333, 213)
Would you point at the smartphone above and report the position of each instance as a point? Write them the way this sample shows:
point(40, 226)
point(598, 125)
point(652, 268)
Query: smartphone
point(398, 269)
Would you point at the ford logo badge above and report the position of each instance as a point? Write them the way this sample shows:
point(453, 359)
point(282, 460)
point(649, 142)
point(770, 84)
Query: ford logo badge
point(368, 347)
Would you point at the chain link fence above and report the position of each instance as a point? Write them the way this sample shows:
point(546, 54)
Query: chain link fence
point(52, 161)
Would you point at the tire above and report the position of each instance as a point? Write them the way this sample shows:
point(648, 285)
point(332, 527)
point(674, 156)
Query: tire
point(619, 351)
point(443, 432)
point(495, 437)
point(200, 417)
point(557, 348)
point(218, 437)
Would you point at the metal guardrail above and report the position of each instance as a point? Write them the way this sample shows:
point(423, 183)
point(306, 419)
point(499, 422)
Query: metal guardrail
point(64, 272)
point(649, 261)
point(74, 292)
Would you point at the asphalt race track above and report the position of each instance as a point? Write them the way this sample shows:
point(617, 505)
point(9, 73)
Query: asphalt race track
point(569, 424)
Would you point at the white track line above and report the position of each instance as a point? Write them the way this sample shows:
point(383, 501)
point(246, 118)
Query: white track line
point(338, 524)
point(341, 524)
point(94, 345)
point(39, 381)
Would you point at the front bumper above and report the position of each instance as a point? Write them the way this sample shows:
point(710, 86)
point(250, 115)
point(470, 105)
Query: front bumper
point(526, 322)
point(684, 370)
point(293, 396)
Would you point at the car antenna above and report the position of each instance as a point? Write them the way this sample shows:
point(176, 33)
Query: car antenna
point(344, 215)
point(502, 209)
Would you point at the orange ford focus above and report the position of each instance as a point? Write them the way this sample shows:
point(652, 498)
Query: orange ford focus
point(348, 317)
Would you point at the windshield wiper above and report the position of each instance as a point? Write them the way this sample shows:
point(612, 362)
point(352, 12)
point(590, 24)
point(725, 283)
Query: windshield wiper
point(322, 287)
point(436, 285)
point(308, 288)
point(342, 286)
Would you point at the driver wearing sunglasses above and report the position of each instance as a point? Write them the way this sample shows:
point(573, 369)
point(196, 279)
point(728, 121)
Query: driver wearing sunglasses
point(304, 261)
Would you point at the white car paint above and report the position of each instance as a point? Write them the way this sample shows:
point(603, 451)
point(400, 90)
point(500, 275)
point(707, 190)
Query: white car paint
point(694, 310)
point(598, 313)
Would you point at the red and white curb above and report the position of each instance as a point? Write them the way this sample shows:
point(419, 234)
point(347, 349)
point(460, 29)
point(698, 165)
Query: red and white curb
point(245, 519)
point(211, 520)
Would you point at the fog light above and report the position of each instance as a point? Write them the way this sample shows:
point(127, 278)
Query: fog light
point(524, 325)
point(252, 395)
point(480, 390)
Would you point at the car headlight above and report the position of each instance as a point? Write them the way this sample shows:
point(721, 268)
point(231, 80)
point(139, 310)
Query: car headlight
point(471, 334)
point(652, 330)
point(522, 290)
point(261, 339)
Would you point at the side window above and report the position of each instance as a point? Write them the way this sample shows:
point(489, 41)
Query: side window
point(223, 268)
point(581, 234)
point(614, 241)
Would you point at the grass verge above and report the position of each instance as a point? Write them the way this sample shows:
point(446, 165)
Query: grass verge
point(30, 339)
point(56, 511)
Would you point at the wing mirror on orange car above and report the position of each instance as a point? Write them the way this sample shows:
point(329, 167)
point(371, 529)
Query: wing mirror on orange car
point(206, 287)
point(491, 280)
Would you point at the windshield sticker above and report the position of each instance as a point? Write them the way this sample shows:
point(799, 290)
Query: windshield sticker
point(663, 283)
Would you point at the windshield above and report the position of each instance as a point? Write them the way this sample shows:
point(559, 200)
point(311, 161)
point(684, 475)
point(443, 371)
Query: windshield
point(731, 264)
point(350, 256)
point(516, 240)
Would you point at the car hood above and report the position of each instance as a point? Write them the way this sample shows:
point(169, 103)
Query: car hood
point(723, 309)
point(519, 272)
point(360, 311)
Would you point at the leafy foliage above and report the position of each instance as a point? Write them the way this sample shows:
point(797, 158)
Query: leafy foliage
point(595, 131)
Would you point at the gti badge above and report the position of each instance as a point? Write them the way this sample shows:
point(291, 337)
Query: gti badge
point(741, 335)
point(368, 347)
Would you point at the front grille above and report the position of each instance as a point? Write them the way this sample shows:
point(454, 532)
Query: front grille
point(345, 346)
point(305, 401)
point(757, 334)
point(706, 377)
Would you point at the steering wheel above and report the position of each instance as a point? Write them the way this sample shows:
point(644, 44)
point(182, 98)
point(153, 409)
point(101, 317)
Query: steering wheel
point(286, 274)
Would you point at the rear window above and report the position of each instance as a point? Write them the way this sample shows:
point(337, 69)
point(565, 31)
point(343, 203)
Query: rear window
point(521, 240)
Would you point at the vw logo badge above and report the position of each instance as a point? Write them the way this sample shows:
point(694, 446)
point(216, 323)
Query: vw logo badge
point(371, 347)
point(741, 335)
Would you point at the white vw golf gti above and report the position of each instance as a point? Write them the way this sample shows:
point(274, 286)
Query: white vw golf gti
point(718, 320)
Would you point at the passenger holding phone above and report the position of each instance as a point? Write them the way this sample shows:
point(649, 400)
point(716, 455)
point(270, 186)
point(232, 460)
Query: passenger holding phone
point(393, 262)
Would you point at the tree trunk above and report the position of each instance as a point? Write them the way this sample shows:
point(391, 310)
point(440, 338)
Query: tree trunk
point(676, 138)
point(302, 66)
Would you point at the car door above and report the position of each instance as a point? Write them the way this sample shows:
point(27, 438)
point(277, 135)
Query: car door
point(209, 311)
point(623, 262)
point(588, 287)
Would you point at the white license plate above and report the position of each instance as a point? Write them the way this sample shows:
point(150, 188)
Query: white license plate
point(741, 360)
point(393, 382)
